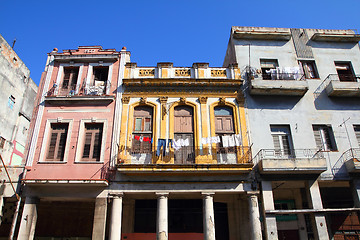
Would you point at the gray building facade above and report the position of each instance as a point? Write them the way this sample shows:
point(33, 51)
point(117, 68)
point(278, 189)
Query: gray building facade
point(301, 90)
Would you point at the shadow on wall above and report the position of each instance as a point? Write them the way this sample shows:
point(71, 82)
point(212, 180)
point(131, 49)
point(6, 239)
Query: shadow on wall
point(273, 102)
point(265, 43)
point(335, 45)
point(323, 102)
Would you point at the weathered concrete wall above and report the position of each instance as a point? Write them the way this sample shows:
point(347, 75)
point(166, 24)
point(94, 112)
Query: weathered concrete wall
point(15, 84)
point(300, 113)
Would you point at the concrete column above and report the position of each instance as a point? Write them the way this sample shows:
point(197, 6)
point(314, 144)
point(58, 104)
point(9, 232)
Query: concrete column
point(162, 217)
point(208, 216)
point(268, 204)
point(28, 219)
point(316, 203)
point(99, 219)
point(255, 224)
point(116, 216)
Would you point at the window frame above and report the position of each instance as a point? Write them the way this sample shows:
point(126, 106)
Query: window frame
point(138, 147)
point(60, 76)
point(330, 133)
point(46, 139)
point(304, 63)
point(267, 76)
point(81, 140)
point(98, 129)
point(286, 132)
point(346, 77)
point(90, 75)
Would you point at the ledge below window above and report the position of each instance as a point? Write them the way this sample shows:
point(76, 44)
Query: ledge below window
point(86, 99)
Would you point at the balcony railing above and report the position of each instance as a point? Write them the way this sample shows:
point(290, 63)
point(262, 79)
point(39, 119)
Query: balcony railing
point(187, 155)
point(283, 76)
point(83, 91)
point(335, 77)
point(352, 154)
point(278, 154)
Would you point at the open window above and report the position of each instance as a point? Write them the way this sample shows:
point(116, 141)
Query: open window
point(345, 71)
point(309, 69)
point(142, 132)
point(68, 85)
point(324, 137)
point(99, 80)
point(57, 142)
point(268, 66)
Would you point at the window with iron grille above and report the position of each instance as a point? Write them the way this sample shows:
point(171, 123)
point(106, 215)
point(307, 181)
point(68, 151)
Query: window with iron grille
point(324, 137)
point(92, 142)
point(57, 142)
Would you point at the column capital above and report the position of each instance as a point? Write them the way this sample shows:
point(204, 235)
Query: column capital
point(160, 194)
point(125, 100)
point(207, 194)
point(115, 195)
point(203, 100)
point(163, 99)
point(253, 193)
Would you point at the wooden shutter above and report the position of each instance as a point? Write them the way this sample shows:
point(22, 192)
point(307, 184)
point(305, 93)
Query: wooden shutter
point(57, 142)
point(92, 142)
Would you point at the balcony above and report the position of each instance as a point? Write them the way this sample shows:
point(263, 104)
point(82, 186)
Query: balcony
point(340, 85)
point(84, 95)
point(286, 84)
point(186, 160)
point(295, 161)
point(351, 158)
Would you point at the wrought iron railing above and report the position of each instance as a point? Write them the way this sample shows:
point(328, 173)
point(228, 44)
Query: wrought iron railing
point(335, 77)
point(283, 76)
point(351, 154)
point(83, 91)
point(288, 154)
point(186, 155)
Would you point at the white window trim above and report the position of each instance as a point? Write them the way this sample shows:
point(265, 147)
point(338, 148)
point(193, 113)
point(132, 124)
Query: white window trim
point(81, 138)
point(90, 74)
point(44, 145)
point(60, 75)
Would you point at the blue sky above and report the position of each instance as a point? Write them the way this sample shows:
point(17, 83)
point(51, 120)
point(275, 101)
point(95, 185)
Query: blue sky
point(182, 32)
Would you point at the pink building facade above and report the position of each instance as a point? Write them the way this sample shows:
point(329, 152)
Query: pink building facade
point(71, 146)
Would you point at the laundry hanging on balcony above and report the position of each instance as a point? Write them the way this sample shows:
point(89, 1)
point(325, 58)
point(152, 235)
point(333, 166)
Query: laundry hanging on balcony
point(177, 144)
point(142, 139)
point(210, 140)
point(227, 140)
point(285, 73)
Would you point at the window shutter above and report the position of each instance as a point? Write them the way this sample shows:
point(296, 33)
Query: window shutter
point(276, 142)
point(87, 145)
point(318, 141)
point(61, 148)
point(52, 145)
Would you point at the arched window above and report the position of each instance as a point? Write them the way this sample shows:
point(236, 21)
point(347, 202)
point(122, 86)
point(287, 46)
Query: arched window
point(224, 126)
point(184, 129)
point(142, 131)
